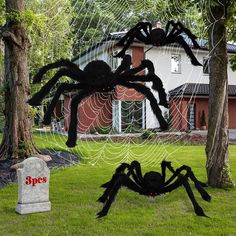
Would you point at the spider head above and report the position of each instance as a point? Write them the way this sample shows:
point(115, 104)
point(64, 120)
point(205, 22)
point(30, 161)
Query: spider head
point(153, 181)
point(158, 37)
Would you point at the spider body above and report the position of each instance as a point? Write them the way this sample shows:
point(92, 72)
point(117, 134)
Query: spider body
point(97, 76)
point(144, 32)
point(151, 184)
point(157, 37)
point(101, 77)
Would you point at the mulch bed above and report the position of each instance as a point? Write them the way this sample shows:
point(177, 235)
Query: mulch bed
point(59, 159)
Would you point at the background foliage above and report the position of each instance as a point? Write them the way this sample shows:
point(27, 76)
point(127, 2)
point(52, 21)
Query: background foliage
point(65, 28)
point(49, 31)
point(102, 19)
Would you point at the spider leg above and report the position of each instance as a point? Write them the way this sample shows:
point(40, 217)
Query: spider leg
point(177, 29)
point(38, 97)
point(131, 36)
point(205, 196)
point(146, 91)
point(63, 62)
point(153, 102)
point(199, 185)
point(63, 87)
point(137, 176)
point(182, 180)
point(144, 64)
point(135, 32)
point(174, 28)
point(126, 46)
point(174, 35)
point(127, 71)
point(145, 26)
point(109, 185)
point(157, 84)
point(187, 49)
point(135, 165)
point(134, 169)
point(188, 33)
point(164, 165)
point(121, 180)
point(125, 64)
point(119, 170)
point(72, 133)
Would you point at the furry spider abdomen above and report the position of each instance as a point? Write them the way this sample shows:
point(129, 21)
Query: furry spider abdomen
point(153, 181)
point(99, 72)
point(157, 37)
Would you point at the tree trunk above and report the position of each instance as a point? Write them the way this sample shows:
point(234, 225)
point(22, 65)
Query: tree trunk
point(1, 61)
point(217, 137)
point(17, 135)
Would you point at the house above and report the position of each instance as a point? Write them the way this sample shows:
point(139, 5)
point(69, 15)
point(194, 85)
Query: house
point(194, 100)
point(187, 86)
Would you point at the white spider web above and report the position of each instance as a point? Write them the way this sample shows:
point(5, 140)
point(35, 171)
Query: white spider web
point(126, 150)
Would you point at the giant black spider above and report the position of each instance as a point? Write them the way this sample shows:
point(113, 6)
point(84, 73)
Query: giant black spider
point(98, 77)
point(158, 37)
point(151, 184)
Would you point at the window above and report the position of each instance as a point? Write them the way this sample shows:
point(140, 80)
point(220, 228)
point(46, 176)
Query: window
point(191, 116)
point(175, 63)
point(205, 66)
point(116, 122)
point(131, 116)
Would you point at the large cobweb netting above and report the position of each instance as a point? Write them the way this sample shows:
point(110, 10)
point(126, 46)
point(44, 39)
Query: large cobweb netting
point(126, 126)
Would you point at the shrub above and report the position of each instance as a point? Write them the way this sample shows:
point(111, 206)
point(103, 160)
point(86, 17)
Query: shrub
point(132, 129)
point(147, 134)
point(203, 119)
point(101, 130)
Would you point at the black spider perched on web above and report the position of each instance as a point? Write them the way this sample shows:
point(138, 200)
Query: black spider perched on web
point(97, 77)
point(144, 32)
point(151, 184)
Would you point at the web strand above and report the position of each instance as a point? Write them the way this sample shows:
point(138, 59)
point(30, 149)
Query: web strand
point(126, 149)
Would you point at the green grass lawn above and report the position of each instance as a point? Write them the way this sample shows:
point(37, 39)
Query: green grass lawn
point(74, 190)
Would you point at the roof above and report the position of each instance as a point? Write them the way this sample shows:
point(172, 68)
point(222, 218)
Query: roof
point(196, 89)
point(116, 36)
point(203, 43)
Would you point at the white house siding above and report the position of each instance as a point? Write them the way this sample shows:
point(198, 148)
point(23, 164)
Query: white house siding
point(99, 53)
point(161, 58)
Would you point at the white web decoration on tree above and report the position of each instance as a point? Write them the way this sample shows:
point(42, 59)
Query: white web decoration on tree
point(126, 115)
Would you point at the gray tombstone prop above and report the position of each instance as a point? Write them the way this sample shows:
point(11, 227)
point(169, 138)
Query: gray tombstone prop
point(33, 186)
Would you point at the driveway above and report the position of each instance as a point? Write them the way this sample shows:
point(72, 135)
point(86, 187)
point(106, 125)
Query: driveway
point(232, 133)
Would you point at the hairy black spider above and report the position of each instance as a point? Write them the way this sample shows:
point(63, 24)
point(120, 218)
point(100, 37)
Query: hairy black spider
point(144, 32)
point(151, 184)
point(97, 76)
